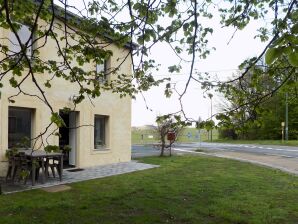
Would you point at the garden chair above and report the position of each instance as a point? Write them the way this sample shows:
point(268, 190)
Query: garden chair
point(53, 163)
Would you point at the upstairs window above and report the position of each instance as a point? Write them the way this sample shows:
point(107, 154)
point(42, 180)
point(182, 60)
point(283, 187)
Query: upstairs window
point(102, 71)
point(24, 34)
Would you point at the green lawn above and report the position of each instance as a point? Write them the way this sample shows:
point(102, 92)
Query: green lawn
point(183, 190)
point(262, 142)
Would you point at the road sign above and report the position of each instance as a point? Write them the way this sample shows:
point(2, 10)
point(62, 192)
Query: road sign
point(171, 136)
point(189, 135)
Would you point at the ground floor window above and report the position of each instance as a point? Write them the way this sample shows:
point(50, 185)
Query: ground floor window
point(100, 123)
point(19, 127)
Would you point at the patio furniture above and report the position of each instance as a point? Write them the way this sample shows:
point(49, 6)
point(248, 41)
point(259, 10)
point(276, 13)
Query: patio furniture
point(54, 164)
point(38, 159)
point(24, 169)
point(18, 165)
point(12, 166)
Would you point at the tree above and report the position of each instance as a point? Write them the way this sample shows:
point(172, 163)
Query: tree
point(177, 23)
point(168, 124)
point(261, 120)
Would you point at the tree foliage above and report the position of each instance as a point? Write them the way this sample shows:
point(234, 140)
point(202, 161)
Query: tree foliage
point(261, 119)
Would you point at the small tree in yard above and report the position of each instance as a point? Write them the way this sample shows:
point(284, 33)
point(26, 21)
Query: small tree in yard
point(167, 124)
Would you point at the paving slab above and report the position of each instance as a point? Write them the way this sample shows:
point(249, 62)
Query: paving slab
point(85, 174)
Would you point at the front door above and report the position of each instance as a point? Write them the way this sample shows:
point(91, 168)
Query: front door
point(68, 136)
point(72, 137)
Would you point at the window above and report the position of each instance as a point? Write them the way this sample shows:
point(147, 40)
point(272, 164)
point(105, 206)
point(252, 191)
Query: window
point(101, 71)
point(100, 125)
point(24, 34)
point(19, 126)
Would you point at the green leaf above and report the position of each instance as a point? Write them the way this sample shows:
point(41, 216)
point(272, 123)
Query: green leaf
point(294, 29)
point(13, 82)
point(55, 118)
point(271, 55)
point(293, 59)
point(47, 84)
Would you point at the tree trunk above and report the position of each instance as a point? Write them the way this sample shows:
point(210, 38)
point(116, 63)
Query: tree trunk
point(162, 149)
point(163, 144)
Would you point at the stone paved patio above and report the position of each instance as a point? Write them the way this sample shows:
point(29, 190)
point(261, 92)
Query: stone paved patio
point(86, 174)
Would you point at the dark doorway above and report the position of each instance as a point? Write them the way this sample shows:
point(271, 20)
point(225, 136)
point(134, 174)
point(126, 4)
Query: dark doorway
point(64, 138)
point(64, 131)
point(68, 137)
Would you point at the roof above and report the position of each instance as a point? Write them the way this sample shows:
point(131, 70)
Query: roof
point(70, 16)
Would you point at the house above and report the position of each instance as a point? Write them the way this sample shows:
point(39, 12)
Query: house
point(98, 132)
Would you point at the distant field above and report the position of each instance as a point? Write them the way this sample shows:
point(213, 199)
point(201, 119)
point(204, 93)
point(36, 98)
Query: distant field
point(144, 136)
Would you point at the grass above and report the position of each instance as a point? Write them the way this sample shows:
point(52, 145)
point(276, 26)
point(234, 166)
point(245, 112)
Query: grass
point(261, 142)
point(183, 190)
point(187, 135)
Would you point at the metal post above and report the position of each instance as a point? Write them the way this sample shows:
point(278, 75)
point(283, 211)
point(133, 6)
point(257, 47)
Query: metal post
point(211, 119)
point(282, 131)
point(200, 138)
point(287, 121)
point(210, 96)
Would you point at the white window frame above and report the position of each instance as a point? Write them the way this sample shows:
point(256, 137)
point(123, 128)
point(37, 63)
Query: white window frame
point(103, 146)
point(102, 69)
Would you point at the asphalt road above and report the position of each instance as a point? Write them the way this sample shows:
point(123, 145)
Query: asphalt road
point(143, 150)
point(285, 151)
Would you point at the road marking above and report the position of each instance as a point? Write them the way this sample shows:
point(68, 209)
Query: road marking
point(277, 149)
point(272, 154)
point(225, 146)
point(287, 150)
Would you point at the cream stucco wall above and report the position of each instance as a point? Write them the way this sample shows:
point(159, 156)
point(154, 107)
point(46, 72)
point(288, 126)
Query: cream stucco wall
point(118, 111)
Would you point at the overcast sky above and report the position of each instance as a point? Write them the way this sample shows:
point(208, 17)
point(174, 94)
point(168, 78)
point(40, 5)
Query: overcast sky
point(223, 62)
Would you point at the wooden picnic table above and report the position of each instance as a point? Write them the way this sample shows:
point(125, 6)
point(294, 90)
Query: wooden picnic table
point(40, 155)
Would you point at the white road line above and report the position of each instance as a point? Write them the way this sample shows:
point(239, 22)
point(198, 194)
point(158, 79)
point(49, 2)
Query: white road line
point(287, 150)
point(254, 147)
point(277, 149)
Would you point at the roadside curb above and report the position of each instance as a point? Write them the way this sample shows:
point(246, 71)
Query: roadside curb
point(242, 160)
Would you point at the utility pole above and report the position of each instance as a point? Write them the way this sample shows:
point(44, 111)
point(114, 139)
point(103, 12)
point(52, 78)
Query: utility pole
point(287, 120)
point(210, 96)
point(282, 131)
point(211, 120)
